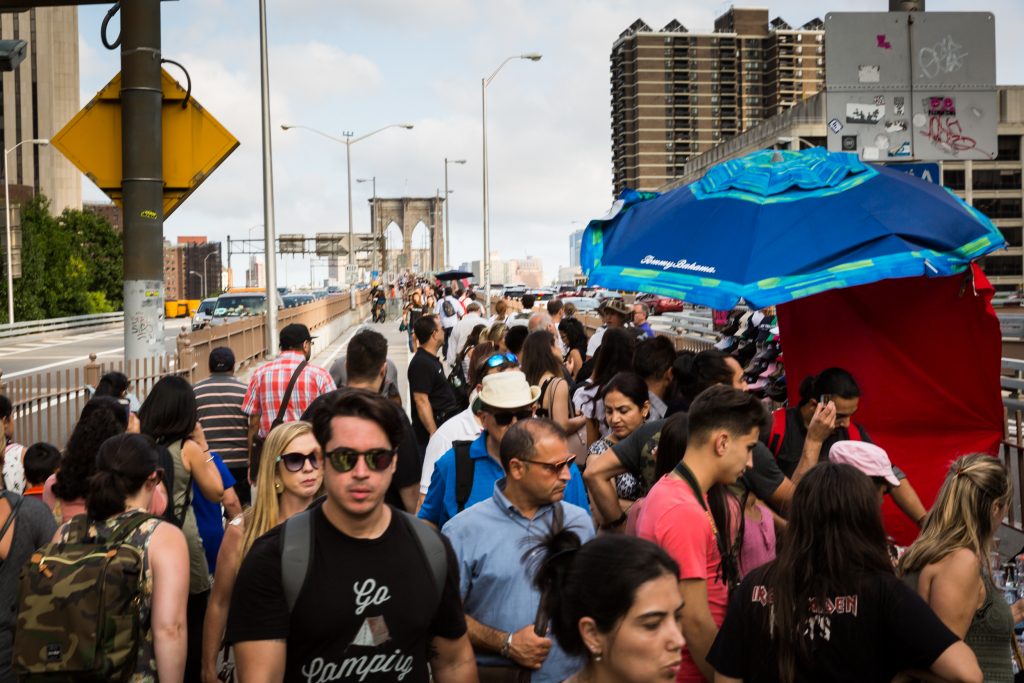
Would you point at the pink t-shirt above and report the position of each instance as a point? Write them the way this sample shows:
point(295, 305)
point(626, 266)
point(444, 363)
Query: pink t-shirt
point(672, 518)
point(758, 541)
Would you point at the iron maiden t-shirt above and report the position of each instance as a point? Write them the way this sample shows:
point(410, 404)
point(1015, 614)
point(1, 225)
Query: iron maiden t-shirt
point(365, 612)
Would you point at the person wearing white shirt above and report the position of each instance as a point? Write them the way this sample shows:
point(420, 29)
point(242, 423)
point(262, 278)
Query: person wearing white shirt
point(462, 330)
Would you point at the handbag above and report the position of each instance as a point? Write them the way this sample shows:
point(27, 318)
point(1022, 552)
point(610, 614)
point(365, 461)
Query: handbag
point(227, 668)
point(258, 441)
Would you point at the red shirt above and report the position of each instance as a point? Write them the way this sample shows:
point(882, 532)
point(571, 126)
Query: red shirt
point(268, 384)
point(672, 518)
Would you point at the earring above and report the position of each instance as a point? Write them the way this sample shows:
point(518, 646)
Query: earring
point(597, 655)
point(278, 486)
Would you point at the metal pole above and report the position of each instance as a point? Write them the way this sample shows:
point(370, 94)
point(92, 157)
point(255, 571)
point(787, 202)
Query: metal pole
point(487, 219)
point(447, 223)
point(10, 251)
point(348, 166)
point(373, 232)
point(269, 251)
point(142, 182)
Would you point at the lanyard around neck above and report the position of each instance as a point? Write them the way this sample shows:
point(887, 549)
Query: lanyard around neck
point(690, 478)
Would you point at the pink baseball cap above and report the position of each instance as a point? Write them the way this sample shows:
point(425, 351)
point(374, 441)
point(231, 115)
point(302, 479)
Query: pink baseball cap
point(866, 457)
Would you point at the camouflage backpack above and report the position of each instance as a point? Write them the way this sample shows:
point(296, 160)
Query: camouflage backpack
point(78, 606)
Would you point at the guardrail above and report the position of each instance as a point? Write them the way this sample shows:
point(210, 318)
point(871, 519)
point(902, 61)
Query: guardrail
point(75, 322)
point(691, 330)
point(47, 404)
point(1012, 447)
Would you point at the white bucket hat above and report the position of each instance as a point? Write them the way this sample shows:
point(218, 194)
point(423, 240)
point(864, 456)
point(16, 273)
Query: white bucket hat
point(509, 389)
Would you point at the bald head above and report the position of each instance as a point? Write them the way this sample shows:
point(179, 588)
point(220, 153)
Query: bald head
point(540, 321)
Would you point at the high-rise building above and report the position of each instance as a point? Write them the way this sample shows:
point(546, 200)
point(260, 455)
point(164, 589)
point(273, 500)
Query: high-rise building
point(677, 93)
point(256, 276)
point(192, 268)
point(38, 98)
point(575, 244)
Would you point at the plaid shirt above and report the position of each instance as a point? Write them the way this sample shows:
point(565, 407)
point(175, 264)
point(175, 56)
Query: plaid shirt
point(270, 381)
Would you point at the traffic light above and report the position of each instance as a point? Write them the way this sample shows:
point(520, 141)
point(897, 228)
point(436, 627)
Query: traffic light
point(12, 53)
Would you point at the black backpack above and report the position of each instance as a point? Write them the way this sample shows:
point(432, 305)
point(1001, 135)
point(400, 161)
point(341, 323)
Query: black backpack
point(298, 539)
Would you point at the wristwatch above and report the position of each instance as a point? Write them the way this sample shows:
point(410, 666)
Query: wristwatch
point(507, 645)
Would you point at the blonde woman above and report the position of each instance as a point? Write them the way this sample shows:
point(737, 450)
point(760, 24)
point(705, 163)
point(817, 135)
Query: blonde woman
point(948, 564)
point(289, 478)
point(496, 335)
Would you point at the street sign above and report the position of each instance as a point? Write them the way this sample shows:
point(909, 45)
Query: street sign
point(927, 171)
point(331, 244)
point(911, 85)
point(291, 244)
point(194, 143)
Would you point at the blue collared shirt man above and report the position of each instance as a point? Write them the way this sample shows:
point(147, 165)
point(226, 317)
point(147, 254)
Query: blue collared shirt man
point(440, 505)
point(489, 541)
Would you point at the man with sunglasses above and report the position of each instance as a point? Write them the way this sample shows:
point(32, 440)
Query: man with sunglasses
point(464, 426)
point(373, 605)
point(504, 399)
point(489, 539)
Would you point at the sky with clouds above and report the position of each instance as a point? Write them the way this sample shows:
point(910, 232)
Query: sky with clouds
point(348, 65)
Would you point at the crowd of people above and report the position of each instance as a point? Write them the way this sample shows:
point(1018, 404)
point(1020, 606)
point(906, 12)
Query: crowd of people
point(546, 506)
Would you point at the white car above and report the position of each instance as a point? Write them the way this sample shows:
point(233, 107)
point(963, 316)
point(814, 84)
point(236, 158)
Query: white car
point(203, 314)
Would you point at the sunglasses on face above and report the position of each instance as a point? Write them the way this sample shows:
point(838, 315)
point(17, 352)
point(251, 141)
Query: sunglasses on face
point(505, 419)
point(296, 462)
point(556, 468)
point(344, 459)
point(501, 359)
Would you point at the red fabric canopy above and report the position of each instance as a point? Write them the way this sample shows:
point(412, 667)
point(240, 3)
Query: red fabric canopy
point(926, 354)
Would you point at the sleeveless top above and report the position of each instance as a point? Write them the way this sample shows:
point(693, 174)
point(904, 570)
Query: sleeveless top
point(198, 572)
point(145, 664)
point(989, 633)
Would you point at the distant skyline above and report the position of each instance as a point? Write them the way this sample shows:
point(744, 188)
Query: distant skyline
point(345, 65)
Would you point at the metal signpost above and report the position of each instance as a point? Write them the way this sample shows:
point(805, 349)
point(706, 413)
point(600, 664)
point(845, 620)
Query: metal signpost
point(908, 86)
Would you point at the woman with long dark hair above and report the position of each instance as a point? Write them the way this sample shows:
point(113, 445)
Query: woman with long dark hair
point(169, 415)
point(574, 338)
point(616, 602)
point(121, 488)
point(541, 360)
point(829, 607)
point(615, 355)
point(948, 565)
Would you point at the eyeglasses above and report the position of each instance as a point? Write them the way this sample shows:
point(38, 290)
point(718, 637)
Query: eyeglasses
point(501, 359)
point(296, 462)
point(555, 468)
point(505, 419)
point(377, 459)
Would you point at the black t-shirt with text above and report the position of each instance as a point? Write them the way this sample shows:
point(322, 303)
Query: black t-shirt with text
point(426, 376)
point(866, 635)
point(365, 612)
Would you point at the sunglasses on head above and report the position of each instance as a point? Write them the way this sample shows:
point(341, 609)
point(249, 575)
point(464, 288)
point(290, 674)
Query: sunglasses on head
point(377, 459)
point(505, 419)
point(501, 359)
point(295, 462)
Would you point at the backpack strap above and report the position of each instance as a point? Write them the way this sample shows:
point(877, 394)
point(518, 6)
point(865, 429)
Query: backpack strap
point(128, 526)
point(297, 540)
point(778, 432)
point(14, 512)
point(464, 471)
point(288, 395)
point(432, 547)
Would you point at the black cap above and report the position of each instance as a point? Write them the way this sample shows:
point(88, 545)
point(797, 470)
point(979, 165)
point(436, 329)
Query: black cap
point(293, 336)
point(222, 359)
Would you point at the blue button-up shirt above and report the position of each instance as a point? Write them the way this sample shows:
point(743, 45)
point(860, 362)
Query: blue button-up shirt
point(489, 541)
point(439, 505)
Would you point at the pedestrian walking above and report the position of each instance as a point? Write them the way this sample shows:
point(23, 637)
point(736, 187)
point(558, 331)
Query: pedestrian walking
point(614, 602)
point(41, 461)
point(281, 390)
point(12, 467)
point(488, 539)
point(219, 400)
point(389, 586)
point(829, 594)
point(949, 564)
point(433, 401)
point(294, 463)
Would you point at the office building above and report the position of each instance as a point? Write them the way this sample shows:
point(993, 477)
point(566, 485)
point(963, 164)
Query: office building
point(192, 268)
point(993, 187)
point(676, 93)
point(109, 211)
point(256, 275)
point(575, 243)
point(38, 98)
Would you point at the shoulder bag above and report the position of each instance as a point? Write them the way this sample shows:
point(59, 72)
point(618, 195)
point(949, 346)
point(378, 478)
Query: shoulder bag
point(257, 441)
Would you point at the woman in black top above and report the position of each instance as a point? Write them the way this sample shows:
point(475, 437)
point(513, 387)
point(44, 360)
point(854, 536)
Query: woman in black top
point(829, 608)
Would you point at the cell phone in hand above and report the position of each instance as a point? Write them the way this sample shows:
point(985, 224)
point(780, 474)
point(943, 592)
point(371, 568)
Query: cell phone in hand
point(824, 399)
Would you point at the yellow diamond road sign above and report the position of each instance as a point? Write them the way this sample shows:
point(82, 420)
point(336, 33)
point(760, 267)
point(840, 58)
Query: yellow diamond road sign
point(194, 143)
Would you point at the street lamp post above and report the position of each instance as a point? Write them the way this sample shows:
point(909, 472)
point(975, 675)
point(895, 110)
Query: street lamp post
point(484, 82)
point(447, 211)
point(348, 141)
point(7, 209)
point(206, 290)
point(202, 278)
point(373, 219)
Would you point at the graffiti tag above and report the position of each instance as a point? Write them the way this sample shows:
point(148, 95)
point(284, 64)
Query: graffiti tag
point(141, 328)
point(947, 133)
point(945, 56)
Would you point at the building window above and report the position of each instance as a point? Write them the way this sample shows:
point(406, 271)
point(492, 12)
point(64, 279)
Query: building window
point(999, 208)
point(991, 179)
point(1002, 265)
point(1012, 235)
point(954, 179)
point(1009, 148)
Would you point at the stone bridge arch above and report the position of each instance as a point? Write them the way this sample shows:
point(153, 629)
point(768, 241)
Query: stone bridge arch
point(406, 213)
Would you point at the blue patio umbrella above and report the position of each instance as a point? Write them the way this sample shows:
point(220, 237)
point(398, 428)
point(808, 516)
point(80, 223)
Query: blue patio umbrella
point(774, 226)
